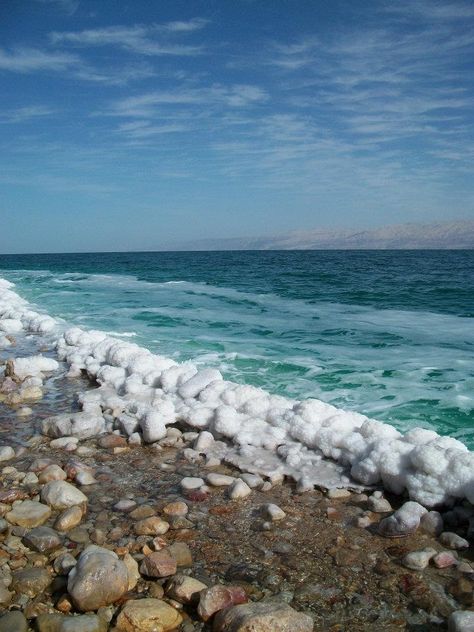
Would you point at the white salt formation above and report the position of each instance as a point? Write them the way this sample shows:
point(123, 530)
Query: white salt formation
point(271, 435)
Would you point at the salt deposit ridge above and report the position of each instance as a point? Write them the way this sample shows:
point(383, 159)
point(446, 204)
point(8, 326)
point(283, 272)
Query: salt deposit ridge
point(140, 392)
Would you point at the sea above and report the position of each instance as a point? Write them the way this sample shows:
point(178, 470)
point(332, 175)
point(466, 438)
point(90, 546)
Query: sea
point(389, 334)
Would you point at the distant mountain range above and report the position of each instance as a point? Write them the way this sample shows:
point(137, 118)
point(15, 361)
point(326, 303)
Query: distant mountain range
point(444, 235)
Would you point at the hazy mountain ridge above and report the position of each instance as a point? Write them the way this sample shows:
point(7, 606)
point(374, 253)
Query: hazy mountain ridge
point(443, 235)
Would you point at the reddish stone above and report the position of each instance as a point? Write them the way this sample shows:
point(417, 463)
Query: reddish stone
point(158, 564)
point(217, 598)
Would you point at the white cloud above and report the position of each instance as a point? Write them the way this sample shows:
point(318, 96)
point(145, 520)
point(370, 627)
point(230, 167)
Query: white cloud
point(137, 38)
point(26, 113)
point(26, 60)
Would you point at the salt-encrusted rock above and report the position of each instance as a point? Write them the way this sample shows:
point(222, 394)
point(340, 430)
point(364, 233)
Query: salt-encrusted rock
point(262, 617)
point(56, 622)
point(403, 522)
point(204, 441)
point(188, 483)
point(453, 540)
point(198, 383)
point(418, 560)
point(461, 621)
point(219, 480)
point(218, 597)
point(34, 365)
point(337, 492)
point(158, 564)
point(273, 512)
point(52, 473)
point(42, 539)
point(69, 518)
point(6, 453)
point(153, 424)
point(444, 559)
point(432, 523)
point(14, 621)
point(184, 589)
point(148, 615)
point(98, 579)
point(239, 489)
point(30, 581)
point(151, 526)
point(252, 480)
point(29, 514)
point(82, 425)
point(61, 495)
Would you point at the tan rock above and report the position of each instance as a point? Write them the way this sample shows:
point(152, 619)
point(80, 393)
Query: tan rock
point(68, 519)
point(184, 589)
point(158, 564)
point(262, 617)
point(151, 526)
point(29, 514)
point(148, 615)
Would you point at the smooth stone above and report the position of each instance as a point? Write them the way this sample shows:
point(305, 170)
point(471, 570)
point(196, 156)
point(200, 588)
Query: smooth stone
point(6, 453)
point(42, 539)
point(418, 560)
point(64, 563)
point(30, 581)
point(453, 540)
point(112, 441)
point(218, 597)
point(141, 512)
point(158, 564)
point(403, 522)
point(30, 479)
point(126, 505)
point(13, 621)
point(461, 621)
point(151, 526)
point(61, 495)
point(62, 442)
point(204, 441)
point(29, 514)
point(5, 596)
point(184, 589)
point(262, 617)
point(98, 579)
point(336, 493)
point(52, 473)
point(239, 489)
point(445, 559)
point(252, 480)
point(219, 480)
point(273, 512)
point(85, 478)
point(68, 519)
point(432, 523)
point(148, 615)
point(55, 622)
point(379, 504)
point(132, 568)
point(178, 508)
point(190, 483)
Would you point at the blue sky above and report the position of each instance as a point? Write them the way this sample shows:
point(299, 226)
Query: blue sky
point(136, 124)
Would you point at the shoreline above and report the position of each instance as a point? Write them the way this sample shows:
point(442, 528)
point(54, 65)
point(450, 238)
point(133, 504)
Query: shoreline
point(341, 571)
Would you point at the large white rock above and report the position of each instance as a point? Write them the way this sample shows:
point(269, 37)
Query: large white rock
point(61, 495)
point(34, 365)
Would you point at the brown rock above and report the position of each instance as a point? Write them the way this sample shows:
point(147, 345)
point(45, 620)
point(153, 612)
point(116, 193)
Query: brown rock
point(181, 552)
point(158, 564)
point(151, 526)
point(112, 441)
point(219, 597)
point(184, 589)
point(68, 519)
point(262, 617)
point(148, 615)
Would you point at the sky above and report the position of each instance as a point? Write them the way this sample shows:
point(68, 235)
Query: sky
point(136, 125)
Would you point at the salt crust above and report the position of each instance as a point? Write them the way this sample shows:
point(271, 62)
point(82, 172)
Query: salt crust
point(271, 434)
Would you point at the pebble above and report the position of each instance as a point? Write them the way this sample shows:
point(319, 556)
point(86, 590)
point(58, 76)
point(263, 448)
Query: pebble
point(13, 621)
point(126, 505)
point(189, 483)
point(68, 519)
point(30, 581)
point(453, 540)
point(158, 564)
point(239, 489)
point(215, 598)
point(6, 453)
point(52, 473)
point(403, 522)
point(61, 495)
point(142, 615)
point(444, 559)
point(42, 539)
point(151, 526)
point(432, 523)
point(98, 579)
point(63, 563)
point(273, 512)
point(132, 568)
point(263, 616)
point(29, 513)
point(184, 589)
point(178, 508)
point(337, 492)
point(181, 553)
point(85, 478)
point(62, 442)
point(219, 480)
point(54, 622)
point(252, 480)
point(461, 621)
point(379, 504)
point(418, 560)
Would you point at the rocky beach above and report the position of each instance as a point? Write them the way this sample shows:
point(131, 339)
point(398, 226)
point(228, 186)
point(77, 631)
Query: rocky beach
point(113, 520)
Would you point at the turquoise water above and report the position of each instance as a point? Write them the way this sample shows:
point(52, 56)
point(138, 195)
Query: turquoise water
point(386, 333)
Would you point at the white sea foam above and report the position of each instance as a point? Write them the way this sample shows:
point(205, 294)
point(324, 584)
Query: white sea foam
point(271, 434)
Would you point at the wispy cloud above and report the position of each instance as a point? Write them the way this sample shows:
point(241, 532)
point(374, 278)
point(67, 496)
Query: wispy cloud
point(25, 60)
point(67, 6)
point(27, 113)
point(138, 38)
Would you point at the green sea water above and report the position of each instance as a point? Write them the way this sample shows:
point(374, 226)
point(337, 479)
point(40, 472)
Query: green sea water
point(387, 333)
